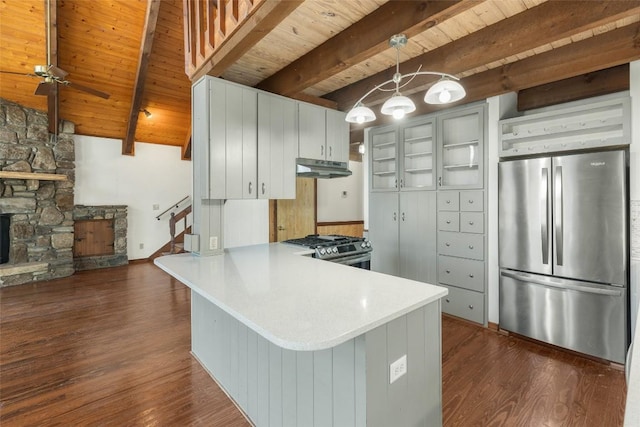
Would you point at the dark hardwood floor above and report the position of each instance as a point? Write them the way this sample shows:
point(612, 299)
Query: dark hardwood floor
point(111, 347)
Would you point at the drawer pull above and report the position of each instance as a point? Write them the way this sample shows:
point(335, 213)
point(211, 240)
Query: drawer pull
point(447, 300)
point(448, 271)
point(470, 222)
point(448, 221)
point(471, 275)
point(471, 306)
point(470, 201)
point(448, 201)
point(447, 244)
point(470, 246)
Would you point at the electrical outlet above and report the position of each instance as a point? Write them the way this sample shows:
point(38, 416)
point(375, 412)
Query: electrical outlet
point(397, 369)
point(213, 242)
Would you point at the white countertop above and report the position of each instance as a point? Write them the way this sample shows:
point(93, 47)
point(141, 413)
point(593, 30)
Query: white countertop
point(294, 301)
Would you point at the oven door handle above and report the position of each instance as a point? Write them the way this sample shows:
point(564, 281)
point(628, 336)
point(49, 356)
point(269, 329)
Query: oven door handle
point(354, 259)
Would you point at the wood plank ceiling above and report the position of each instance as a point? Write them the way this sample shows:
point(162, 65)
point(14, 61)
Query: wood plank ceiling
point(327, 51)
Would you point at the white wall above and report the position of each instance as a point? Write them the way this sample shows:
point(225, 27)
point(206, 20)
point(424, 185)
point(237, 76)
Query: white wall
point(154, 176)
point(334, 204)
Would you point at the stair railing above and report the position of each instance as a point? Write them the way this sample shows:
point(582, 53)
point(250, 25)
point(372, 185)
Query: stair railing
point(172, 225)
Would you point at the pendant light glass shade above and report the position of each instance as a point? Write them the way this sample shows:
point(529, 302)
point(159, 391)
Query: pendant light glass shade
point(444, 91)
point(360, 114)
point(397, 106)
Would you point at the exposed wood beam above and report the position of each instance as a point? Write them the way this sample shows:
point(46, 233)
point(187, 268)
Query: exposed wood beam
point(266, 17)
point(606, 50)
point(362, 40)
point(598, 83)
point(153, 8)
point(327, 103)
point(553, 20)
point(51, 22)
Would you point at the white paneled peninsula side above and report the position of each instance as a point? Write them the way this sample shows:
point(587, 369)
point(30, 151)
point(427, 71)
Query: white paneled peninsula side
point(297, 341)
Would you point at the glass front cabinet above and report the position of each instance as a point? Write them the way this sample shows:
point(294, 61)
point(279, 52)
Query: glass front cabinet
point(402, 157)
point(460, 148)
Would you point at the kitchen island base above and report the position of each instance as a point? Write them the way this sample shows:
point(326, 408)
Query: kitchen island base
point(347, 385)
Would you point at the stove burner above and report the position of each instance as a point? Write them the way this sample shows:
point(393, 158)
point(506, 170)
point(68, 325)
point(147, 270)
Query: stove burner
point(333, 246)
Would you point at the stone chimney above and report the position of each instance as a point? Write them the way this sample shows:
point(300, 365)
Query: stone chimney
point(40, 210)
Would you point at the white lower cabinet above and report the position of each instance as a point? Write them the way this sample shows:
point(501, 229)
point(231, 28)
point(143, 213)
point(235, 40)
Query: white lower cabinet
point(402, 230)
point(461, 253)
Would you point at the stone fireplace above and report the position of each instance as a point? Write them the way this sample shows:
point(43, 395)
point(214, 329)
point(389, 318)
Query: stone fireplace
point(36, 194)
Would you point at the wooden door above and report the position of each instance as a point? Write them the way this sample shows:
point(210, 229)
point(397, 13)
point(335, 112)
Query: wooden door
point(295, 218)
point(93, 237)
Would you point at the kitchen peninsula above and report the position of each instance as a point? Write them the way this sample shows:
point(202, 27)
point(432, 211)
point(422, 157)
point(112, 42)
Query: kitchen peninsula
point(295, 340)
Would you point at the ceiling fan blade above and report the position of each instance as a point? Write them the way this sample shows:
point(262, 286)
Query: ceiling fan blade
point(92, 91)
point(44, 89)
point(57, 72)
point(16, 73)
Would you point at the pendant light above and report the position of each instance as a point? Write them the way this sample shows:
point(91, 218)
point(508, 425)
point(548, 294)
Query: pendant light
point(446, 90)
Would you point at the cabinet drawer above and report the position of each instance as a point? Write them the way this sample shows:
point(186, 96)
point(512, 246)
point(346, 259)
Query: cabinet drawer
point(448, 201)
point(465, 273)
point(461, 245)
point(471, 222)
point(463, 303)
point(448, 221)
point(471, 201)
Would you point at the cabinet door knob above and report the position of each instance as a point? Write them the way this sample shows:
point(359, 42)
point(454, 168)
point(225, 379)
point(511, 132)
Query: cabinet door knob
point(470, 201)
point(447, 300)
point(448, 271)
point(470, 246)
point(471, 306)
point(448, 201)
point(394, 216)
point(470, 222)
point(447, 244)
point(403, 216)
point(471, 275)
point(448, 221)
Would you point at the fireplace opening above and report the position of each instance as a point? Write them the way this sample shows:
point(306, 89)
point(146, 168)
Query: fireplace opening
point(4, 238)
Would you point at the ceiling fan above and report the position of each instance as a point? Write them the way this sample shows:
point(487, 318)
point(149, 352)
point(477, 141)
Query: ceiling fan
point(52, 75)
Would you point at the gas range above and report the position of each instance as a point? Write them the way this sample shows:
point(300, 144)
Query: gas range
point(334, 247)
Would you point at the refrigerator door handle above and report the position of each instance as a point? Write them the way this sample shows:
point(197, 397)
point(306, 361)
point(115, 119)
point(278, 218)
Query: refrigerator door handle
point(565, 284)
point(544, 215)
point(558, 215)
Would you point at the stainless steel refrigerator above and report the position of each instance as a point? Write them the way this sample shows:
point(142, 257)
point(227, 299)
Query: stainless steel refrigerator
point(564, 251)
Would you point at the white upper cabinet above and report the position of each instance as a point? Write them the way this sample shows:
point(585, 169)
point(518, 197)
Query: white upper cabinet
point(277, 147)
point(245, 142)
point(337, 148)
point(241, 142)
point(323, 134)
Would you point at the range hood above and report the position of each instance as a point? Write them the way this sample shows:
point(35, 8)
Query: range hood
point(312, 168)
